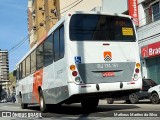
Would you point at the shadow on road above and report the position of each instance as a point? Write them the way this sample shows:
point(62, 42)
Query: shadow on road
point(76, 110)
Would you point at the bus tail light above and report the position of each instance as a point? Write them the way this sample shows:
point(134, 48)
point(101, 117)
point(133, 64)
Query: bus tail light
point(69, 14)
point(72, 67)
point(137, 70)
point(135, 76)
point(138, 65)
point(78, 79)
point(74, 73)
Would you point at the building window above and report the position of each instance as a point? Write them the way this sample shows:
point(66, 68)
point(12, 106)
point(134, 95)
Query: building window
point(156, 11)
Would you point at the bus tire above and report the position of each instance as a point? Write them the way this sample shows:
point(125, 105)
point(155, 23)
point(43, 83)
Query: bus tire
point(155, 98)
point(43, 107)
point(128, 101)
point(110, 100)
point(23, 105)
point(89, 104)
point(133, 98)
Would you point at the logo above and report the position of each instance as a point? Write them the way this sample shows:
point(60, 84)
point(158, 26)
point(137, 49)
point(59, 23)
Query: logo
point(107, 56)
point(144, 51)
point(77, 59)
point(133, 10)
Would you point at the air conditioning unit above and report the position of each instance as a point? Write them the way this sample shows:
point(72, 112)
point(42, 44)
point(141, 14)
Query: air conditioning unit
point(41, 24)
point(34, 28)
point(54, 11)
point(34, 15)
point(42, 9)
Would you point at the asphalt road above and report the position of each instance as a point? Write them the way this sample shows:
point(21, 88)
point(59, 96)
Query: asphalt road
point(119, 110)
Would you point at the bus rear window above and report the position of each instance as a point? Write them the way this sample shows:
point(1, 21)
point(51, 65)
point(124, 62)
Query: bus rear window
point(87, 27)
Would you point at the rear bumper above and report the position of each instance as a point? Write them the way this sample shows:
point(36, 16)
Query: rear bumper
point(100, 95)
point(104, 89)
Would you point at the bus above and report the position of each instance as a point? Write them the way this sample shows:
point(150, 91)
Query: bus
point(85, 57)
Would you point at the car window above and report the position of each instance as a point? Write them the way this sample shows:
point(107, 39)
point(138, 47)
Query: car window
point(145, 83)
point(149, 82)
point(153, 83)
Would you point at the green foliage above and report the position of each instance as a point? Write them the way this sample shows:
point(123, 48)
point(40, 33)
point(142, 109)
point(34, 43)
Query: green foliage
point(12, 79)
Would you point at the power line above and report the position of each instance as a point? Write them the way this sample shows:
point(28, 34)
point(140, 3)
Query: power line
point(45, 20)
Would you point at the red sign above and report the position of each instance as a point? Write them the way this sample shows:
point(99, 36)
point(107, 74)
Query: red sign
point(133, 10)
point(108, 74)
point(151, 50)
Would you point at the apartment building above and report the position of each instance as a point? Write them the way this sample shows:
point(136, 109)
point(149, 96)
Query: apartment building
point(43, 14)
point(4, 69)
point(41, 17)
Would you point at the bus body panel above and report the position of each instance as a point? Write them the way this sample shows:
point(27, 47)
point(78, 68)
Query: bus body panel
point(55, 86)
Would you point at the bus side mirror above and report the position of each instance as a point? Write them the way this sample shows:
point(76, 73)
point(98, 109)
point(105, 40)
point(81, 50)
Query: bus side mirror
point(14, 72)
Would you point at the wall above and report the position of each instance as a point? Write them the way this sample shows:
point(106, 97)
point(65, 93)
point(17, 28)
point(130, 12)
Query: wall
point(77, 5)
point(114, 6)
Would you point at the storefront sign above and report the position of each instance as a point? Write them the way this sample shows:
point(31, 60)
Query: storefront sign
point(151, 50)
point(133, 10)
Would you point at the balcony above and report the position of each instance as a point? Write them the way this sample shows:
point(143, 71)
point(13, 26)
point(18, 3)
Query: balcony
point(149, 33)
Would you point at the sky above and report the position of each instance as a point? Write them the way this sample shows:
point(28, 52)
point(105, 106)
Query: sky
point(13, 29)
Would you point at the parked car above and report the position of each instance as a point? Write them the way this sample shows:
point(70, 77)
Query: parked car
point(154, 94)
point(135, 97)
point(3, 101)
point(9, 99)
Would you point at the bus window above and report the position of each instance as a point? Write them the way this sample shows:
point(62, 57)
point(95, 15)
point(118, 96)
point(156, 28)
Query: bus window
point(84, 27)
point(28, 66)
point(23, 69)
point(33, 61)
point(62, 42)
point(20, 71)
point(39, 55)
point(48, 50)
point(56, 45)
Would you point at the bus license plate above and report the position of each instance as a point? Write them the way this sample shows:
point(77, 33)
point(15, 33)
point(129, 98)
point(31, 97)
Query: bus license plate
point(108, 74)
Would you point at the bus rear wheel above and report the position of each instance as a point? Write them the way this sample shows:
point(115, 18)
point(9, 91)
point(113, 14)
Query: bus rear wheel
point(43, 107)
point(23, 105)
point(89, 104)
point(133, 98)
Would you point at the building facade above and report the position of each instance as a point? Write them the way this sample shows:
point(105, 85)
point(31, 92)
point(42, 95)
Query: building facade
point(41, 17)
point(4, 69)
point(149, 39)
point(148, 27)
point(43, 14)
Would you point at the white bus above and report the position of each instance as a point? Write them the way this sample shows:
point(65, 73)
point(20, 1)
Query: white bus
point(85, 57)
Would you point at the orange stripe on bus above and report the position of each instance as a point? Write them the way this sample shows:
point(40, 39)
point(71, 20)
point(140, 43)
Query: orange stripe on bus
point(37, 82)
